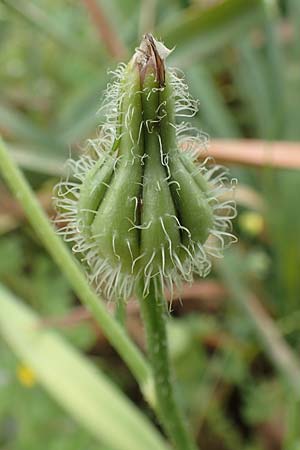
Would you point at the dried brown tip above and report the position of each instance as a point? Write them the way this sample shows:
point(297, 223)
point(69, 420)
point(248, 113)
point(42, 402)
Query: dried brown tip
point(151, 55)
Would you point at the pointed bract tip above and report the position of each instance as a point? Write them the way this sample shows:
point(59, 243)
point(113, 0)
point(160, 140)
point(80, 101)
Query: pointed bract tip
point(150, 57)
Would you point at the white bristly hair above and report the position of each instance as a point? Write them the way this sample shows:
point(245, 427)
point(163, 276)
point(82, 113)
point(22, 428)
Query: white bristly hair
point(109, 278)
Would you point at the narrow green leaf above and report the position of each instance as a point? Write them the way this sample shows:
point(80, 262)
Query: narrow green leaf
point(212, 105)
point(293, 7)
point(74, 382)
point(49, 164)
point(199, 32)
point(252, 82)
point(37, 17)
point(72, 270)
point(22, 128)
point(282, 356)
point(276, 65)
point(79, 115)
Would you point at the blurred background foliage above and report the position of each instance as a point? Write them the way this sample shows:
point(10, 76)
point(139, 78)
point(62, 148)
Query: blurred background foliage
point(235, 339)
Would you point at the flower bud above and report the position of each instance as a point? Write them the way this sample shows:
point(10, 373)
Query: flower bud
point(142, 206)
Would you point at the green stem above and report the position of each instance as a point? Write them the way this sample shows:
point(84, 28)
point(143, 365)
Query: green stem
point(114, 332)
point(120, 311)
point(153, 309)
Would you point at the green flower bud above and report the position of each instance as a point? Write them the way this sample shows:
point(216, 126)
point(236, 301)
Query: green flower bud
point(142, 206)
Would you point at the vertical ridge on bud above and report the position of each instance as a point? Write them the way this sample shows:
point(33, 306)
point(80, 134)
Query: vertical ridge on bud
point(142, 206)
point(112, 228)
point(160, 237)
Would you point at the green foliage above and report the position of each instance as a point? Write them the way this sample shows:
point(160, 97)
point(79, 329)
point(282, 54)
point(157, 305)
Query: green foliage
point(262, 401)
point(241, 60)
point(50, 423)
point(73, 381)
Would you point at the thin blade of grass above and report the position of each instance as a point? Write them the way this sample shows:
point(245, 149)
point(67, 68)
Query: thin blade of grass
point(212, 106)
point(276, 348)
point(17, 124)
point(47, 164)
point(73, 271)
point(79, 115)
point(251, 80)
point(200, 32)
point(276, 64)
point(84, 392)
point(35, 16)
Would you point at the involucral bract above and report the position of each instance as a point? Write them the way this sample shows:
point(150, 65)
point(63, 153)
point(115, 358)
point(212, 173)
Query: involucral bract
point(139, 204)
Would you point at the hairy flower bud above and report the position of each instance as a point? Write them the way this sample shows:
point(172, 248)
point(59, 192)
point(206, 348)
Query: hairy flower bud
point(141, 205)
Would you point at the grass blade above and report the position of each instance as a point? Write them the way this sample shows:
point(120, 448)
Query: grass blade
point(276, 348)
point(74, 382)
point(37, 17)
point(69, 266)
point(250, 75)
point(22, 128)
point(199, 32)
point(212, 106)
point(48, 164)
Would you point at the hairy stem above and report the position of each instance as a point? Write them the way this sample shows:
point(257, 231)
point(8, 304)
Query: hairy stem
point(153, 309)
